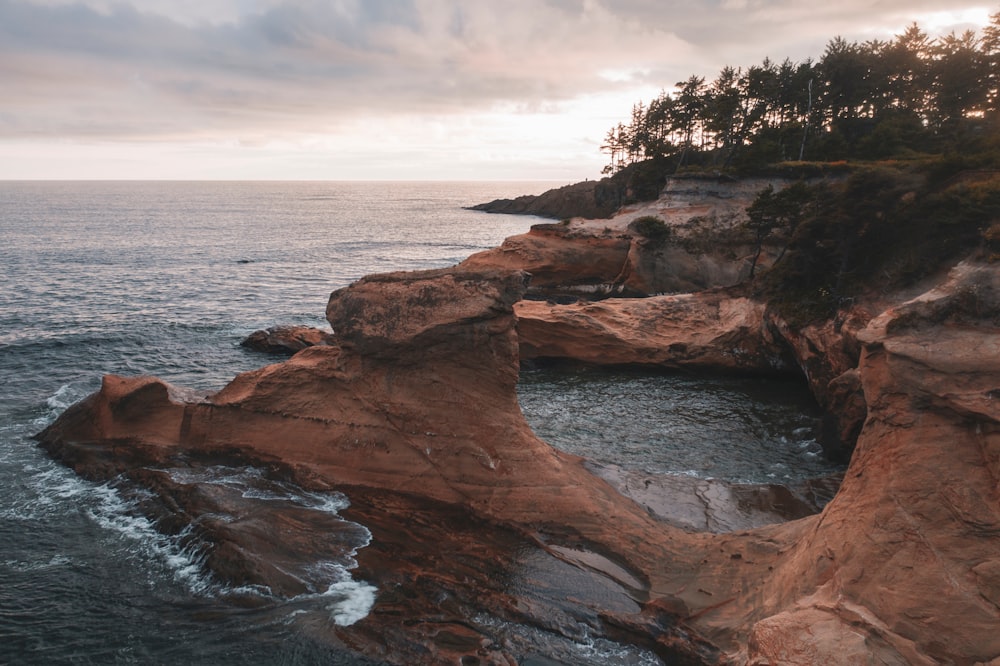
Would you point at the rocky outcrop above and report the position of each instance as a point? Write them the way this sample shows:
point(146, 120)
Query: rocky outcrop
point(587, 199)
point(417, 400)
point(285, 339)
point(414, 415)
point(901, 564)
point(561, 261)
point(702, 244)
point(704, 331)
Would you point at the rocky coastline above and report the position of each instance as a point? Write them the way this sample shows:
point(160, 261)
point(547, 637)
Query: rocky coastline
point(410, 409)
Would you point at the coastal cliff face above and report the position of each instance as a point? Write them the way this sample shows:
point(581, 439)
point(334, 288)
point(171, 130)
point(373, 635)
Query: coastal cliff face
point(414, 410)
point(411, 410)
point(702, 245)
point(704, 331)
point(903, 562)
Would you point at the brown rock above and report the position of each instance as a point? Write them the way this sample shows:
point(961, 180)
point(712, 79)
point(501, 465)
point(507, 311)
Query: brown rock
point(561, 261)
point(703, 331)
point(900, 554)
point(417, 412)
point(285, 339)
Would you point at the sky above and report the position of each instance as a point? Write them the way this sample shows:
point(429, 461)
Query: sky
point(379, 89)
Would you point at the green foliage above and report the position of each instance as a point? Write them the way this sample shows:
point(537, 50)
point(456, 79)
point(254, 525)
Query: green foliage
point(905, 97)
point(884, 227)
point(642, 181)
point(650, 227)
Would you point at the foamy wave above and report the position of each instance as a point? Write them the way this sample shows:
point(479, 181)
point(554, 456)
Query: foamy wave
point(252, 483)
point(583, 650)
point(347, 600)
point(57, 403)
point(65, 396)
point(603, 651)
point(185, 563)
point(52, 489)
point(354, 600)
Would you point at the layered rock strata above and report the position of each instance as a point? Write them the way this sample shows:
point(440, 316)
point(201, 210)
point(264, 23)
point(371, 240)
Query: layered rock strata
point(696, 241)
point(415, 410)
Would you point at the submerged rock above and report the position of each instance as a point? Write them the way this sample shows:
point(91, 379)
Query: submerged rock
point(285, 339)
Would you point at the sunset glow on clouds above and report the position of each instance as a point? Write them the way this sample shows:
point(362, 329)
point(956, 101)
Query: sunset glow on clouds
point(378, 89)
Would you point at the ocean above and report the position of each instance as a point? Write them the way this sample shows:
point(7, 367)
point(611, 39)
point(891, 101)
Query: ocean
point(166, 278)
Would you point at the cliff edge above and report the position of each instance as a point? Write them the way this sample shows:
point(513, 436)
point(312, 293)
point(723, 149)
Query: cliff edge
point(411, 410)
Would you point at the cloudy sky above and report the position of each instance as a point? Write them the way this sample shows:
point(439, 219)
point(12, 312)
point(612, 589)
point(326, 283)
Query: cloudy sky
point(379, 89)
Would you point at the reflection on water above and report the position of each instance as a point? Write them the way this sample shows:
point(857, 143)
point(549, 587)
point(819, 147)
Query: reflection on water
point(737, 429)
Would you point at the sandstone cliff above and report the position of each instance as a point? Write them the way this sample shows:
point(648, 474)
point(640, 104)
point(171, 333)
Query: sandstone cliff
point(702, 245)
point(411, 410)
point(418, 402)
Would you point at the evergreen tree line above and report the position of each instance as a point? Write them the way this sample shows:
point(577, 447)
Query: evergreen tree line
point(877, 99)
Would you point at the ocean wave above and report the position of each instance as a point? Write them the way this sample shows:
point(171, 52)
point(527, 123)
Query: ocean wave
point(182, 556)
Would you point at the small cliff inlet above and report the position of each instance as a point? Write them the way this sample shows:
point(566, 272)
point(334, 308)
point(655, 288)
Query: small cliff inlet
point(127, 568)
point(360, 423)
point(702, 452)
point(736, 429)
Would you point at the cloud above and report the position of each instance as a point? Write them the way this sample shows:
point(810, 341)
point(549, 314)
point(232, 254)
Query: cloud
point(260, 71)
point(116, 69)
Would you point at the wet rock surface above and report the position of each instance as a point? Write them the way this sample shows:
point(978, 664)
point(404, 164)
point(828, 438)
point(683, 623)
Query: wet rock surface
point(482, 534)
point(714, 505)
point(285, 340)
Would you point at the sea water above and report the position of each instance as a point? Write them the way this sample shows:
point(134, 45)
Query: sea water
point(166, 278)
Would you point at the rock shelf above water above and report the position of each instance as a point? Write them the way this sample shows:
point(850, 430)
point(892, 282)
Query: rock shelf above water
point(412, 413)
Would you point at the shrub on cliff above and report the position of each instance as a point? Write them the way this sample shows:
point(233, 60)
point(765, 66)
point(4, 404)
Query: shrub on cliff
point(651, 228)
point(883, 228)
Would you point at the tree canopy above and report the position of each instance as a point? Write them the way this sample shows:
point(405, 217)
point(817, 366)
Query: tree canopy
point(870, 100)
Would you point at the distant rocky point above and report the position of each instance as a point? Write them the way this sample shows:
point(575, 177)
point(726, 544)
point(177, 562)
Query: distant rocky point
point(587, 199)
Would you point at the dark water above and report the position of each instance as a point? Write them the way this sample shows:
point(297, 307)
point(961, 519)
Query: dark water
point(741, 429)
point(166, 279)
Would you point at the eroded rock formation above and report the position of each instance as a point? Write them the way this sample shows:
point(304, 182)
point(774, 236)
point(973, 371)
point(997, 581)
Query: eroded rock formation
point(417, 400)
point(414, 415)
point(704, 331)
point(902, 563)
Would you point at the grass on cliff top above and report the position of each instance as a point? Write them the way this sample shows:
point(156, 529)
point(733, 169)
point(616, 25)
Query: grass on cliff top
point(885, 226)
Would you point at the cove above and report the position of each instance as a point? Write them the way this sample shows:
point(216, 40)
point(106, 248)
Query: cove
point(701, 452)
point(737, 429)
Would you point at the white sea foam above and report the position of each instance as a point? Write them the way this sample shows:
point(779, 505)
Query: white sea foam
point(603, 651)
point(585, 650)
point(346, 599)
point(62, 398)
point(353, 601)
point(56, 404)
point(185, 563)
point(325, 502)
